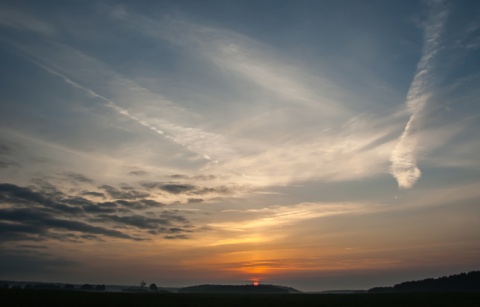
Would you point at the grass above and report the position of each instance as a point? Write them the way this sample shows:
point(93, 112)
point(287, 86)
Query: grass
point(77, 298)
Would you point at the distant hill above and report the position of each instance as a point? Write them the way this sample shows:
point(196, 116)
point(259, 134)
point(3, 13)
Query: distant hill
point(37, 285)
point(237, 289)
point(464, 282)
point(342, 291)
point(143, 290)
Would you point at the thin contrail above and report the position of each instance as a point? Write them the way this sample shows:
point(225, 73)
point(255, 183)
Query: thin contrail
point(208, 145)
point(404, 157)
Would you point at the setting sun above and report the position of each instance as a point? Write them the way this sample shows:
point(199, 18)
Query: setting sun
point(255, 283)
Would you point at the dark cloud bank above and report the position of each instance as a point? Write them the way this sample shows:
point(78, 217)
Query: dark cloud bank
point(44, 212)
point(189, 189)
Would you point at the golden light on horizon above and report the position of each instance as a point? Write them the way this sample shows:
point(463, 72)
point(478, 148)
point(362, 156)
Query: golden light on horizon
point(255, 283)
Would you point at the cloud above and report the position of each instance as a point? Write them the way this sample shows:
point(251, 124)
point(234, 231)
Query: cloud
point(319, 151)
point(13, 194)
point(165, 224)
point(78, 177)
point(139, 204)
point(174, 215)
point(211, 146)
point(91, 207)
point(27, 214)
point(404, 157)
point(92, 193)
point(196, 177)
point(138, 173)
point(176, 188)
point(322, 142)
point(16, 232)
point(21, 195)
point(22, 21)
point(238, 54)
point(37, 224)
point(4, 149)
point(86, 228)
point(7, 150)
point(7, 163)
point(179, 176)
point(138, 221)
point(208, 145)
point(357, 149)
point(168, 222)
point(178, 230)
point(249, 149)
point(204, 177)
point(47, 189)
point(177, 237)
point(279, 216)
point(243, 56)
point(123, 194)
point(188, 189)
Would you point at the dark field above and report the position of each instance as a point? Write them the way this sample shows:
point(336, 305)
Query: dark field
point(78, 298)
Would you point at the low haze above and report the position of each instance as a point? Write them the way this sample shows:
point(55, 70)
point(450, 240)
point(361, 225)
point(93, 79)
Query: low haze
point(327, 144)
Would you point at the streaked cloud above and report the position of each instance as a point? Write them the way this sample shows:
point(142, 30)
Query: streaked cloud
point(23, 21)
point(279, 216)
point(206, 144)
point(404, 157)
point(46, 212)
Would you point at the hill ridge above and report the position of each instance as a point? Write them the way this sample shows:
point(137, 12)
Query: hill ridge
point(211, 288)
point(466, 282)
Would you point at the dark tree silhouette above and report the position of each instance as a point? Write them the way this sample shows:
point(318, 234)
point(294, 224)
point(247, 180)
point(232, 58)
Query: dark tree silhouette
point(464, 282)
point(153, 287)
point(68, 287)
point(86, 287)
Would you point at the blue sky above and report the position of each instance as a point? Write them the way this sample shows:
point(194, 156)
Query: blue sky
point(317, 144)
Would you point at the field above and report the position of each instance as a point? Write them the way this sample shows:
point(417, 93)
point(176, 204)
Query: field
point(76, 298)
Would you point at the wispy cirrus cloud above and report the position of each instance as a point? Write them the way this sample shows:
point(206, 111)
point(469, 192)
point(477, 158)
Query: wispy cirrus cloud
point(253, 61)
point(21, 20)
point(250, 148)
point(241, 56)
point(278, 216)
point(337, 145)
point(359, 148)
point(404, 157)
point(5, 162)
point(210, 146)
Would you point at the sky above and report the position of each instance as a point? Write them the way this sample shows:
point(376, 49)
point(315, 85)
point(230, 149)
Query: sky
point(321, 145)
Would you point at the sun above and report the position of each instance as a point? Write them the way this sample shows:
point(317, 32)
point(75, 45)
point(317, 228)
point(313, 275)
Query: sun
point(255, 283)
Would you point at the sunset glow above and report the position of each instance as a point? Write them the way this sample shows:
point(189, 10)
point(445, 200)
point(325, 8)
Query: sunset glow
point(314, 144)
